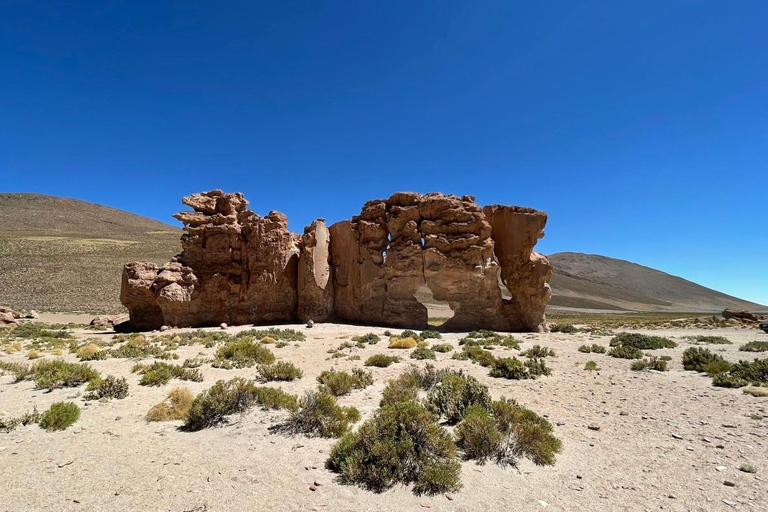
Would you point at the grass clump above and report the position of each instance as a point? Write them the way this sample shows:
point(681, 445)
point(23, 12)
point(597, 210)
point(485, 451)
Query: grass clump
point(370, 339)
point(160, 373)
point(593, 349)
point(455, 392)
point(748, 468)
point(106, 388)
point(396, 342)
point(754, 346)
point(381, 360)
point(403, 444)
point(212, 406)
point(60, 416)
point(19, 371)
point(422, 353)
point(538, 351)
point(61, 374)
point(626, 352)
point(340, 383)
point(650, 363)
point(641, 341)
point(91, 352)
point(242, 353)
point(563, 328)
point(591, 366)
point(318, 414)
point(442, 347)
point(176, 406)
point(695, 358)
point(279, 371)
point(276, 334)
point(505, 432)
point(756, 392)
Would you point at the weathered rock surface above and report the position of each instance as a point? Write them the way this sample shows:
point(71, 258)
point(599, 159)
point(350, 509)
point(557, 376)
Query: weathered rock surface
point(237, 267)
point(7, 321)
point(742, 315)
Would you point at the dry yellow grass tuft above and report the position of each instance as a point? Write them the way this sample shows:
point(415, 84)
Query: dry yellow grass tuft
point(34, 354)
point(86, 351)
point(758, 392)
point(268, 340)
point(175, 407)
point(402, 342)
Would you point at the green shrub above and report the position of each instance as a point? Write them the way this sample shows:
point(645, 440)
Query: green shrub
point(650, 363)
point(513, 368)
point(695, 358)
point(717, 367)
point(196, 362)
point(410, 334)
point(429, 334)
point(422, 353)
point(60, 416)
point(641, 341)
point(728, 380)
point(755, 346)
point(594, 348)
point(402, 389)
point(276, 334)
point(477, 355)
point(176, 406)
point(279, 371)
point(563, 328)
point(538, 351)
point(381, 360)
point(426, 378)
point(340, 383)
point(106, 388)
point(370, 339)
point(485, 338)
point(8, 424)
point(242, 353)
point(478, 435)
point(58, 373)
point(319, 414)
point(454, 394)
point(160, 373)
point(403, 444)
point(138, 347)
point(710, 340)
point(755, 372)
point(591, 366)
point(442, 347)
point(19, 371)
point(626, 352)
point(212, 406)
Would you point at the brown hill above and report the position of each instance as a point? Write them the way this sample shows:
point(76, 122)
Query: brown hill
point(62, 254)
point(599, 282)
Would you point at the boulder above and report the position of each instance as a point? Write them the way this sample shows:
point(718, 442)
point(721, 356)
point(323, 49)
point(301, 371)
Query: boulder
point(739, 314)
point(7, 321)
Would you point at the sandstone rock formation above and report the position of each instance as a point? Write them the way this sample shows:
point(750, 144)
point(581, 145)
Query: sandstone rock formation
point(741, 315)
point(237, 267)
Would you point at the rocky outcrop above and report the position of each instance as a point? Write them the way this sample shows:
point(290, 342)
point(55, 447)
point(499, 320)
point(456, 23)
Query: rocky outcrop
point(237, 267)
point(740, 315)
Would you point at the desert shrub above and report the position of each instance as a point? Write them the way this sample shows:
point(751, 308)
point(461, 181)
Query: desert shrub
point(513, 368)
point(91, 352)
point(538, 351)
point(710, 340)
point(60, 416)
point(212, 406)
point(429, 334)
point(402, 389)
point(650, 363)
point(626, 352)
point(695, 358)
point(537, 367)
point(8, 424)
point(504, 432)
point(206, 338)
point(585, 348)
point(370, 339)
point(442, 347)
point(58, 373)
point(410, 334)
point(754, 346)
point(402, 443)
point(106, 388)
point(426, 378)
point(594, 348)
point(160, 373)
point(41, 330)
point(409, 342)
point(279, 371)
point(34, 354)
point(176, 406)
point(591, 366)
point(454, 393)
point(242, 353)
point(743, 373)
point(563, 328)
point(318, 414)
point(489, 339)
point(276, 334)
point(477, 355)
point(196, 362)
point(641, 341)
point(20, 371)
point(716, 367)
point(422, 353)
point(727, 380)
point(138, 347)
point(381, 360)
point(340, 383)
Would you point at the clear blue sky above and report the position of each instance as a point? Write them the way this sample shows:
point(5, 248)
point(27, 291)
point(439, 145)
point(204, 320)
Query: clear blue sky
point(640, 127)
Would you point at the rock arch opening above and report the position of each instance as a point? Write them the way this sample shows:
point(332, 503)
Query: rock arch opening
point(439, 312)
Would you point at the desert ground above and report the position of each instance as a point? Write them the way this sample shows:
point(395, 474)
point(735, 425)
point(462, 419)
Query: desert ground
point(632, 440)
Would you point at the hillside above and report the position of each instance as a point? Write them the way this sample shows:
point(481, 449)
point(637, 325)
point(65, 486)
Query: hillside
point(599, 282)
point(67, 255)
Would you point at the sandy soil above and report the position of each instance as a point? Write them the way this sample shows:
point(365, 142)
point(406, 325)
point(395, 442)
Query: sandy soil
point(662, 440)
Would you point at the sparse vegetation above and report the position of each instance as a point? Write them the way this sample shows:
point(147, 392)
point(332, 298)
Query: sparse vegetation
point(242, 353)
point(442, 347)
point(649, 363)
point(641, 341)
point(369, 339)
point(744, 373)
point(58, 373)
point(594, 349)
point(591, 366)
point(709, 340)
point(176, 406)
point(489, 339)
point(381, 360)
point(422, 353)
point(19, 371)
point(160, 373)
point(106, 388)
point(403, 444)
point(60, 416)
point(626, 352)
point(7, 424)
point(340, 383)
point(513, 368)
point(755, 346)
point(318, 414)
point(276, 334)
point(429, 334)
point(563, 328)
point(538, 351)
point(279, 371)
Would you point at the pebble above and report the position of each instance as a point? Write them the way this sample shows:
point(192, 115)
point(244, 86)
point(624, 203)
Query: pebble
point(728, 483)
point(721, 468)
point(593, 427)
point(677, 436)
point(223, 325)
point(730, 503)
point(312, 488)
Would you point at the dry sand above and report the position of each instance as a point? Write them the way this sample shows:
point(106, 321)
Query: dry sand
point(112, 459)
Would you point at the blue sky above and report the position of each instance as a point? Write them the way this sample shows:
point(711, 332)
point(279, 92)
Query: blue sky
point(640, 127)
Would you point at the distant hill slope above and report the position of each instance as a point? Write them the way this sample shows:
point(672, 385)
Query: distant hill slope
point(67, 255)
point(599, 282)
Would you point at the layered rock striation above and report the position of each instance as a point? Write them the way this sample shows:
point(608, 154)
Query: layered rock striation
point(237, 267)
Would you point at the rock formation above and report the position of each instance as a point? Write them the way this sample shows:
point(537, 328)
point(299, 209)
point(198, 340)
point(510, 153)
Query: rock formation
point(239, 268)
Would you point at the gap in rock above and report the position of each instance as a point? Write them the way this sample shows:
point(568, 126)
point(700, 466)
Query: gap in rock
point(438, 311)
